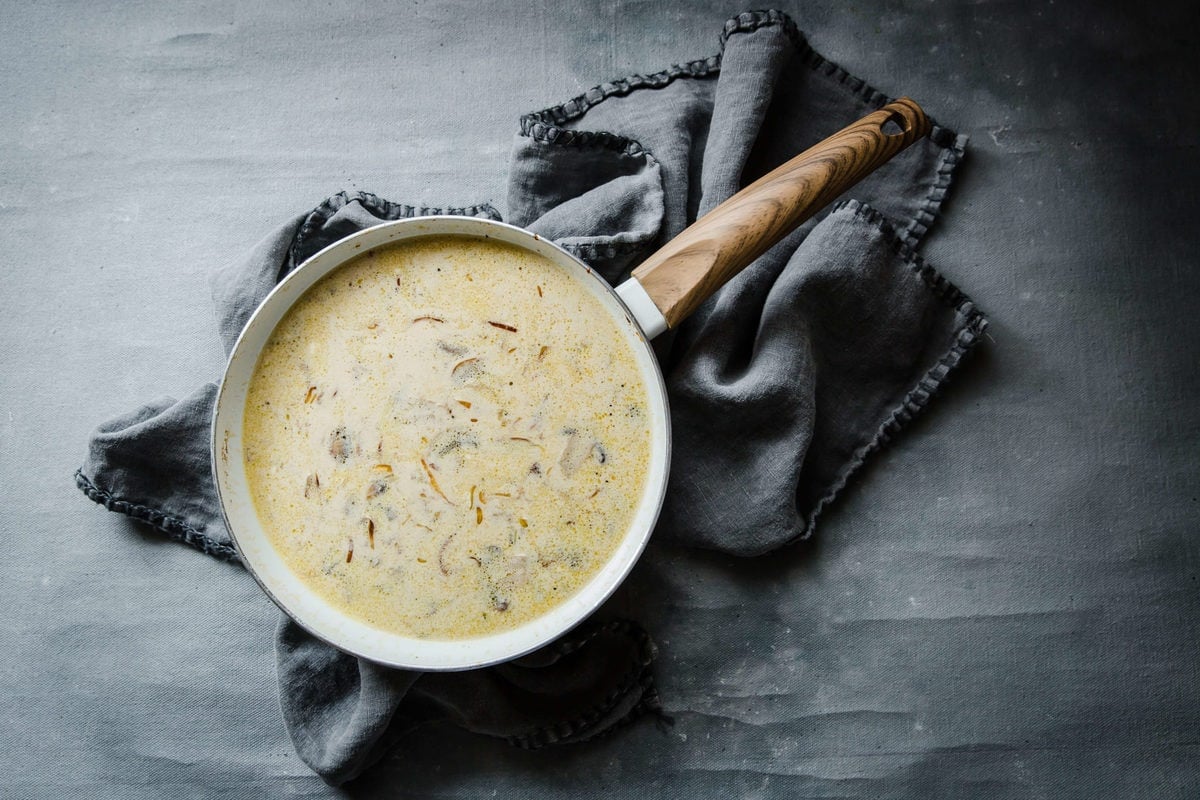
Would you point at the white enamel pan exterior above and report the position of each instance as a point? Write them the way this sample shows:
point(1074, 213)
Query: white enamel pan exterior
point(319, 617)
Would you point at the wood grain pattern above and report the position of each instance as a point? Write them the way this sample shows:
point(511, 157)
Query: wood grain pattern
point(697, 262)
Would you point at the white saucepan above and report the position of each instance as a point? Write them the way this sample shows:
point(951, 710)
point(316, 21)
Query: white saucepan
point(662, 292)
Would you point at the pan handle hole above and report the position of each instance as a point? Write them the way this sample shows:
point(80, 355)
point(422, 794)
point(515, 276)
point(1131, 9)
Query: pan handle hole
point(894, 125)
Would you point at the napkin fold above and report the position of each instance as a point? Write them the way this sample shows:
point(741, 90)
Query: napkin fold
point(781, 385)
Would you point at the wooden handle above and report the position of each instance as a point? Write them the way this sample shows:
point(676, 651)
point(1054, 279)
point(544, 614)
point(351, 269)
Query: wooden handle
point(697, 262)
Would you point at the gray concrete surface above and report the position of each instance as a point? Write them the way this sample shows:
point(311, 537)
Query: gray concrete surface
point(1005, 605)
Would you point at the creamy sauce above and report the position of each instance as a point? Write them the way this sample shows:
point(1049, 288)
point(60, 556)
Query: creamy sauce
point(446, 437)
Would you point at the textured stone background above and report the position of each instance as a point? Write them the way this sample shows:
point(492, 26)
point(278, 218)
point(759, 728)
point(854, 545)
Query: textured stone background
point(1005, 605)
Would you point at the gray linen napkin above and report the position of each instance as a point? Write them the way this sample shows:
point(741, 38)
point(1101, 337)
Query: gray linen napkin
point(781, 385)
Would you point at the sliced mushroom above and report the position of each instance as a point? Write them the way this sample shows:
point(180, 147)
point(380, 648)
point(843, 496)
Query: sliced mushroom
point(340, 445)
point(576, 450)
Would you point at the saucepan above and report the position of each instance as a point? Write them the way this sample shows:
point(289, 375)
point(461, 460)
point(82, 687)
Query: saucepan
point(661, 293)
